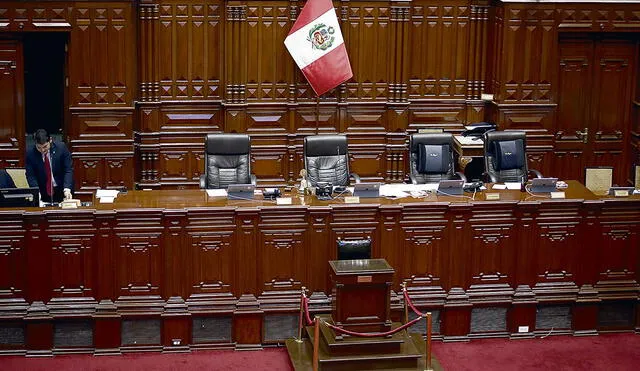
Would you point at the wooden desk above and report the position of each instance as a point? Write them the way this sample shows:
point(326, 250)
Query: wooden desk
point(468, 151)
point(169, 269)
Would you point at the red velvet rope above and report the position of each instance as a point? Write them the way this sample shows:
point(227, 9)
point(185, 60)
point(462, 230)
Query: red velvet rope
point(306, 311)
point(416, 311)
point(419, 314)
point(373, 334)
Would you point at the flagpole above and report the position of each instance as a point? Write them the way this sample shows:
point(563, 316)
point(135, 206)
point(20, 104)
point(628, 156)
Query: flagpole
point(317, 114)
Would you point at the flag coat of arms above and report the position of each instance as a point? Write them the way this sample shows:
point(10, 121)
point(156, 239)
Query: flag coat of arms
point(316, 45)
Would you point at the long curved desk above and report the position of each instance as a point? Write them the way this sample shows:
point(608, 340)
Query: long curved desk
point(175, 270)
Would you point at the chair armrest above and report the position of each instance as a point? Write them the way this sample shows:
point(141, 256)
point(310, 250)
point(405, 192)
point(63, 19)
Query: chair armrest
point(413, 178)
point(203, 181)
point(254, 180)
point(355, 177)
point(489, 178)
point(461, 176)
point(535, 172)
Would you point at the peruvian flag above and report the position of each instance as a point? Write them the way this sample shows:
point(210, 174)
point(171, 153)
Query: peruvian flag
point(316, 44)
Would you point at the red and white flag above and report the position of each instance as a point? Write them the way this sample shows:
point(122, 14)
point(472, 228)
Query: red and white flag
point(316, 44)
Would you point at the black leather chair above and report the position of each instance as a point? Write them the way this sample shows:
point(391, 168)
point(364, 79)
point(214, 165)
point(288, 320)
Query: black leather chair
point(354, 249)
point(431, 158)
point(227, 161)
point(505, 157)
point(326, 159)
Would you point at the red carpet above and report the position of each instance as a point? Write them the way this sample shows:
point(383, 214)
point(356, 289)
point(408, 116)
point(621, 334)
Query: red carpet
point(617, 352)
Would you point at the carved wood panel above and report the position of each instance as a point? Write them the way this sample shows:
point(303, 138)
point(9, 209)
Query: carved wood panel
point(102, 34)
point(211, 251)
point(491, 246)
point(12, 257)
point(528, 67)
point(12, 107)
point(191, 50)
point(138, 239)
point(438, 70)
point(282, 249)
point(424, 256)
point(618, 252)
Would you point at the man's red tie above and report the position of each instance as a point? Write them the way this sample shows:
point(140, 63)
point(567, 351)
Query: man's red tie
point(47, 169)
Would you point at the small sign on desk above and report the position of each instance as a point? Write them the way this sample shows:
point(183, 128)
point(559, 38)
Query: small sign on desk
point(492, 196)
point(284, 201)
point(557, 195)
point(352, 200)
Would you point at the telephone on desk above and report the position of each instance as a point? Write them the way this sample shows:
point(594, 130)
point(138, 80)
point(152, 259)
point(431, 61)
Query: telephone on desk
point(478, 129)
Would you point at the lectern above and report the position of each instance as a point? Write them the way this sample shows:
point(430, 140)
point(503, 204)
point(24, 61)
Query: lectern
point(361, 303)
point(362, 291)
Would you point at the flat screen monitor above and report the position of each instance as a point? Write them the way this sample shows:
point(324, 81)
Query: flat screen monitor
point(240, 191)
point(366, 190)
point(19, 197)
point(451, 187)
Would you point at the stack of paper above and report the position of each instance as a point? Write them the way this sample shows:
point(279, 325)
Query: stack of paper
point(106, 196)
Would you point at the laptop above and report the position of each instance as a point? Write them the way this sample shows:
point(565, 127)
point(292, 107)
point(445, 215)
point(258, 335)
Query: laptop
point(543, 185)
point(451, 187)
point(240, 191)
point(366, 190)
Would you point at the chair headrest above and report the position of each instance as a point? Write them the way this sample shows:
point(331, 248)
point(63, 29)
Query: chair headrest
point(493, 136)
point(325, 145)
point(227, 144)
point(433, 158)
point(509, 154)
point(435, 138)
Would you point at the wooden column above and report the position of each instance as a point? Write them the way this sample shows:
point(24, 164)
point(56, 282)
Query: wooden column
point(148, 126)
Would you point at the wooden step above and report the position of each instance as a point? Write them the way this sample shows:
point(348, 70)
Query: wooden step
point(410, 357)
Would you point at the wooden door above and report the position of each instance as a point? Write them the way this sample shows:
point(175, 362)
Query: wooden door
point(573, 117)
point(611, 103)
point(594, 105)
point(11, 104)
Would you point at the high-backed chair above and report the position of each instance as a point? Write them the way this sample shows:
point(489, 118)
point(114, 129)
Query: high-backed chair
point(326, 159)
point(227, 160)
point(431, 158)
point(354, 249)
point(505, 157)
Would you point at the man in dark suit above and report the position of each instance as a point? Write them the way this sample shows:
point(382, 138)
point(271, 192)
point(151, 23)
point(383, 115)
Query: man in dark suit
point(50, 168)
point(5, 180)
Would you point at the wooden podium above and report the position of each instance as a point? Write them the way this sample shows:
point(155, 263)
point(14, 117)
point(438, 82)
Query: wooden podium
point(362, 292)
point(361, 303)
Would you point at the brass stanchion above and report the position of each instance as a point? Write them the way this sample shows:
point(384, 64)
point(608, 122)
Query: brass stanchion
point(428, 365)
point(406, 305)
point(316, 343)
point(300, 319)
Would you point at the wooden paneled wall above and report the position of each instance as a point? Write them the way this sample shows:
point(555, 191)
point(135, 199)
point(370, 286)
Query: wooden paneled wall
point(148, 79)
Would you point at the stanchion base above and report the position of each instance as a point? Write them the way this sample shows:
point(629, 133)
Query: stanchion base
point(301, 356)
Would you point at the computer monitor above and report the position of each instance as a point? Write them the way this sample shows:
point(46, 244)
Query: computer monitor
point(543, 185)
point(451, 187)
point(366, 190)
point(240, 191)
point(19, 197)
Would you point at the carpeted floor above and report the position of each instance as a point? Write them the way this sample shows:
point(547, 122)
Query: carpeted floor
point(616, 352)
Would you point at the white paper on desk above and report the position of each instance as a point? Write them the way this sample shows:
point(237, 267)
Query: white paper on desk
point(469, 141)
point(106, 193)
point(106, 200)
point(499, 186)
point(636, 192)
point(513, 185)
point(218, 192)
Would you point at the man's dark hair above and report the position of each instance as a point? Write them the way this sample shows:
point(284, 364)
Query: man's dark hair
point(41, 136)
